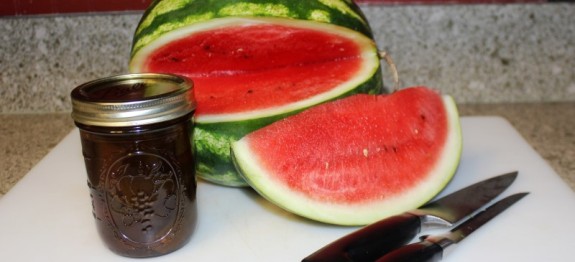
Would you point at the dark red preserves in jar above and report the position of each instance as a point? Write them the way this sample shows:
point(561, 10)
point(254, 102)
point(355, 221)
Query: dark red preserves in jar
point(136, 140)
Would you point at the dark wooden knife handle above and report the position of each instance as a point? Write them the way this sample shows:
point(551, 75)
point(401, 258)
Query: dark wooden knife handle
point(417, 252)
point(370, 242)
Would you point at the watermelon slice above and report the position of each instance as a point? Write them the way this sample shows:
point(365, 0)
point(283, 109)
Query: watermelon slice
point(255, 62)
point(356, 160)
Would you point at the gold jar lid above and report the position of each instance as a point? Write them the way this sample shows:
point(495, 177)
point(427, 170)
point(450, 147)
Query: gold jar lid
point(132, 100)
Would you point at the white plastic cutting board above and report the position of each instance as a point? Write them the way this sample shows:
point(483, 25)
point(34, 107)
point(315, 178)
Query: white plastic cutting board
point(47, 215)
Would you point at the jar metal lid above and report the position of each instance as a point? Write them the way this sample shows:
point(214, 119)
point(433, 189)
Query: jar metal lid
point(132, 100)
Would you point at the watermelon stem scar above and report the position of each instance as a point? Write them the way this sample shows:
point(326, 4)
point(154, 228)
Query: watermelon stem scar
point(387, 58)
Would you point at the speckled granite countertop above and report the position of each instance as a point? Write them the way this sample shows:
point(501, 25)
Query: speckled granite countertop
point(513, 61)
point(548, 127)
point(476, 53)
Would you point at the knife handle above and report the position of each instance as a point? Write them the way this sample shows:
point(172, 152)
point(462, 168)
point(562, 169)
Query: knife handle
point(372, 241)
point(424, 251)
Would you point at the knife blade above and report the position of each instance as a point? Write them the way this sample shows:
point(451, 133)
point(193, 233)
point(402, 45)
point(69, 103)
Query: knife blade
point(433, 248)
point(377, 239)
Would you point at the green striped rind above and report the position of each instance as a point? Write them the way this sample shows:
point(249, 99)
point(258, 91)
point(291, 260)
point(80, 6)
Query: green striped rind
point(212, 140)
point(167, 15)
point(355, 215)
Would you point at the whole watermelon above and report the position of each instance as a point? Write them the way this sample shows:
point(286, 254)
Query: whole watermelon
point(254, 62)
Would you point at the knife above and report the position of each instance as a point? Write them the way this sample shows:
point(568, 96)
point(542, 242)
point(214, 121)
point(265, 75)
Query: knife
point(375, 240)
point(432, 248)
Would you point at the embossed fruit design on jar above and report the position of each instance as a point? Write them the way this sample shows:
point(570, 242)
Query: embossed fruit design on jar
point(135, 132)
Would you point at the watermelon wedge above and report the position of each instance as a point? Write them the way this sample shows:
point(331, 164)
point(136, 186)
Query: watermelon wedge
point(255, 62)
point(358, 159)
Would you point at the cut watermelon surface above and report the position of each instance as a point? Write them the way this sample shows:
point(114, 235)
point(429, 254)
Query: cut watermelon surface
point(249, 72)
point(358, 159)
point(245, 68)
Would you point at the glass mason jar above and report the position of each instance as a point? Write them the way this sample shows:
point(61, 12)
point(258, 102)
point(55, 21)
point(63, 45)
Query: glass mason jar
point(136, 140)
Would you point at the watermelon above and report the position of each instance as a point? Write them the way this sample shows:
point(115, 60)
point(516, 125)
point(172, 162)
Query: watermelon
point(355, 160)
point(254, 62)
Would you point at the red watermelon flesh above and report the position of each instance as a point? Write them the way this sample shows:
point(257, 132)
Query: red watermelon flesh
point(358, 159)
point(238, 68)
